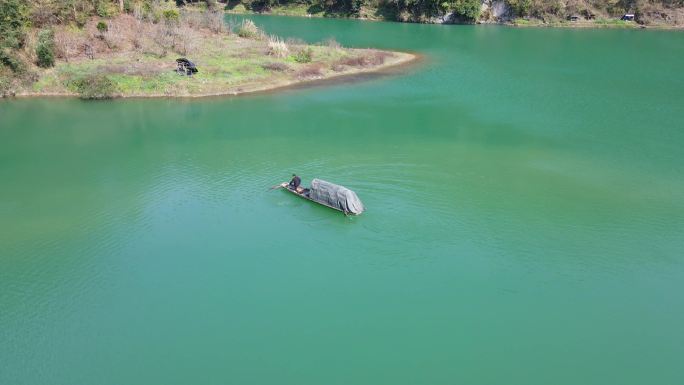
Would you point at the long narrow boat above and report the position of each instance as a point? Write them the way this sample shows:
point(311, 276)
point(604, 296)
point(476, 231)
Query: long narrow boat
point(330, 195)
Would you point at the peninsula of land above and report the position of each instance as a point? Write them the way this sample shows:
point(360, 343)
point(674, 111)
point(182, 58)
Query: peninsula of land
point(134, 54)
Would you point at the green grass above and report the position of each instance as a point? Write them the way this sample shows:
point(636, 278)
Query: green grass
point(615, 23)
point(598, 23)
point(520, 21)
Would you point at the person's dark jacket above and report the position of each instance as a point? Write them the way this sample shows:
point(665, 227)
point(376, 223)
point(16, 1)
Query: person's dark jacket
point(295, 182)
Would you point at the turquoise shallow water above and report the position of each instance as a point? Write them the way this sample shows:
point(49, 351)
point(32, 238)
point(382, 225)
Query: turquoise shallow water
point(525, 217)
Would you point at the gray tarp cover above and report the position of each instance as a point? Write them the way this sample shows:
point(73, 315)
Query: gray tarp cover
point(336, 196)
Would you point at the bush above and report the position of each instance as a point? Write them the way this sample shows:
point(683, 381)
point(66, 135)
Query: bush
point(95, 87)
point(13, 62)
point(101, 9)
point(277, 47)
point(128, 6)
point(105, 8)
point(171, 15)
point(102, 27)
point(304, 55)
point(5, 85)
point(45, 49)
point(248, 29)
point(13, 19)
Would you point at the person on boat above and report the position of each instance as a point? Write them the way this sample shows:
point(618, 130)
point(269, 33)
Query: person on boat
point(295, 182)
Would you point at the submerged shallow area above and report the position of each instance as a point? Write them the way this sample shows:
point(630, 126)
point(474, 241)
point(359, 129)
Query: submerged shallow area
point(523, 224)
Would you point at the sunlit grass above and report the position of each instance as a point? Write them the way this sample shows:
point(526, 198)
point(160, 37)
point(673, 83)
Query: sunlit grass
point(227, 63)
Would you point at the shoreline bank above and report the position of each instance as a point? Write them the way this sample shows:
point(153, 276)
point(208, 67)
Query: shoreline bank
point(133, 58)
point(370, 15)
point(396, 61)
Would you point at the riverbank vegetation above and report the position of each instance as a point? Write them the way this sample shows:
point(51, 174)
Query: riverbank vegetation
point(101, 48)
point(578, 13)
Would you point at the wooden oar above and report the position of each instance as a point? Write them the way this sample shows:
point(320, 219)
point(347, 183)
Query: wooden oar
point(275, 187)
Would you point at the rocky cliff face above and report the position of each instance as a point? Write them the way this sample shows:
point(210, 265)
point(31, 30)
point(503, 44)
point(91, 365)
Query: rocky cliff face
point(491, 11)
point(496, 10)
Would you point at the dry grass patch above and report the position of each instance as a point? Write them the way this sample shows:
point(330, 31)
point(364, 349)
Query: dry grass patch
point(310, 71)
point(366, 59)
point(276, 67)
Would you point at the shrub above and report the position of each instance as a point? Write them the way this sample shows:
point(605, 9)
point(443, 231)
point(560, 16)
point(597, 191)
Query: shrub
point(10, 60)
point(95, 87)
point(171, 15)
point(128, 6)
point(248, 29)
point(104, 8)
point(277, 47)
point(304, 55)
point(102, 27)
point(13, 19)
point(101, 9)
point(45, 49)
point(5, 85)
point(81, 20)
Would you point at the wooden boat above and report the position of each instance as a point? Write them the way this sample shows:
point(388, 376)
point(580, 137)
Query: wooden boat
point(330, 195)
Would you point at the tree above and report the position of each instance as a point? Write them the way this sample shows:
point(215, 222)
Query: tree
point(469, 9)
point(45, 49)
point(520, 7)
point(13, 19)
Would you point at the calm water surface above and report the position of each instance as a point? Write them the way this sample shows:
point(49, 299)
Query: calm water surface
point(525, 195)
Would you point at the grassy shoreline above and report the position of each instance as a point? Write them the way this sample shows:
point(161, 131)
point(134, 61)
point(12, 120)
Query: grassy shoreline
point(136, 58)
point(398, 59)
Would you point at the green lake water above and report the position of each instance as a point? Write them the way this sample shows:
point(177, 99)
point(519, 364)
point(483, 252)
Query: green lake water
point(524, 224)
